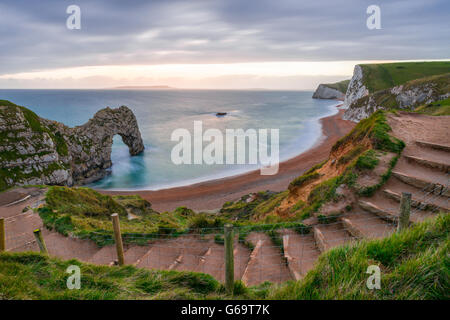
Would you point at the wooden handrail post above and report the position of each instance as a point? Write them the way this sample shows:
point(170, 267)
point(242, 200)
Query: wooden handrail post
point(229, 258)
point(405, 209)
point(40, 241)
point(118, 238)
point(2, 235)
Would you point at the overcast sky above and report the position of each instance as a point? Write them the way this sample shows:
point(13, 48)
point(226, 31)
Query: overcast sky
point(225, 44)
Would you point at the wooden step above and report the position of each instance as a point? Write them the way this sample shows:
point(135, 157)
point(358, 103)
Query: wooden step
point(266, 262)
point(433, 145)
point(161, 255)
point(382, 213)
point(107, 255)
point(390, 213)
point(426, 185)
point(445, 167)
point(300, 252)
point(330, 235)
point(366, 225)
point(426, 203)
point(213, 261)
point(135, 252)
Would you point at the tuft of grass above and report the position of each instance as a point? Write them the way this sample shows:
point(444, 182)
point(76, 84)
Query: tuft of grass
point(304, 179)
point(437, 108)
point(368, 160)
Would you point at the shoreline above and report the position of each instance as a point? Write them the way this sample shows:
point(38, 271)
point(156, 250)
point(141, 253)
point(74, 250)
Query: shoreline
point(212, 194)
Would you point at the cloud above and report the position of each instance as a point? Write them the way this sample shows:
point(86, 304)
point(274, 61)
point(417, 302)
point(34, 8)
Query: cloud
point(114, 32)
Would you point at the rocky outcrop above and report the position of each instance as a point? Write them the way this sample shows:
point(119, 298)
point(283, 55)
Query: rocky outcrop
point(324, 92)
point(331, 90)
point(406, 96)
point(40, 151)
point(356, 88)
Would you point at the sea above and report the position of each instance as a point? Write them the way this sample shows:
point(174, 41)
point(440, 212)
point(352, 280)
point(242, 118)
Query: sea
point(159, 112)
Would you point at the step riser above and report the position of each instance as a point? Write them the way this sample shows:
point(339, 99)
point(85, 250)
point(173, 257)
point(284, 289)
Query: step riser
point(414, 203)
point(436, 188)
point(428, 163)
point(290, 261)
point(354, 231)
point(321, 243)
point(379, 212)
point(251, 262)
point(433, 146)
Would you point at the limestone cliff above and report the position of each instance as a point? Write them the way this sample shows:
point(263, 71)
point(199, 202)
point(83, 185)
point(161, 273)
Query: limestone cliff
point(40, 151)
point(331, 90)
point(356, 88)
point(406, 96)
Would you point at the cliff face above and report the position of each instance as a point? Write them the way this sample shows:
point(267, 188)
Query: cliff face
point(331, 90)
point(40, 151)
point(356, 88)
point(324, 92)
point(406, 96)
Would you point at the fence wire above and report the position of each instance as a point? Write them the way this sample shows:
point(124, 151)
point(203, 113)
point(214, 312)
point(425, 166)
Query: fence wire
point(268, 252)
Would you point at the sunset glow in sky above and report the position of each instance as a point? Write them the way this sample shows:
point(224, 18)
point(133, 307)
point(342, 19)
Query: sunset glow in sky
point(286, 44)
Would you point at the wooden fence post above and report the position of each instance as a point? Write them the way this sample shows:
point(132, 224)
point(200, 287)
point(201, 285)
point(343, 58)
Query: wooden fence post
point(118, 238)
point(405, 209)
point(40, 241)
point(2, 235)
point(229, 258)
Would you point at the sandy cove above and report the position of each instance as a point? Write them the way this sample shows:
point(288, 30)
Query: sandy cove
point(212, 194)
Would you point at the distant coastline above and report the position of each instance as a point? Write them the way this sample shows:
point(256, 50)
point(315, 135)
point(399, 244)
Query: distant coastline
point(143, 87)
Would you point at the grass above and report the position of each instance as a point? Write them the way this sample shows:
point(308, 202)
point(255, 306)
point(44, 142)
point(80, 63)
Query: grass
point(340, 86)
point(304, 179)
point(368, 160)
point(376, 130)
point(85, 213)
point(33, 276)
point(414, 265)
point(368, 136)
point(437, 108)
point(386, 75)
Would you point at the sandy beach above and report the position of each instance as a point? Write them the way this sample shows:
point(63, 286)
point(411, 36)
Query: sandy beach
point(212, 194)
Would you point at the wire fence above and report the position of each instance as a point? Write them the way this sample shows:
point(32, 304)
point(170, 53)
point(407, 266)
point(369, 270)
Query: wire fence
point(266, 252)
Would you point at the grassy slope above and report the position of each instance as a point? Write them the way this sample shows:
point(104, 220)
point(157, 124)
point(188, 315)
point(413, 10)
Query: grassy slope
point(34, 276)
point(386, 75)
point(86, 213)
point(340, 86)
point(414, 265)
point(437, 108)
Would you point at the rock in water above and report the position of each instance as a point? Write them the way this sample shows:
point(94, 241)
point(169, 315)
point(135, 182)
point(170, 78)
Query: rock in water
point(40, 151)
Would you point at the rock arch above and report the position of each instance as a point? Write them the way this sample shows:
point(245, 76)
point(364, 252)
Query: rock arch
point(96, 138)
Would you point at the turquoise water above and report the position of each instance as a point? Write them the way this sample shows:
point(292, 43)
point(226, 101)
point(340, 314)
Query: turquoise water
point(159, 112)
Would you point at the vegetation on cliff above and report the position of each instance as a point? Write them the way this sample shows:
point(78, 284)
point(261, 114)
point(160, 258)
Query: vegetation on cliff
point(352, 156)
point(382, 76)
point(340, 86)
